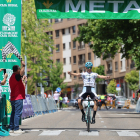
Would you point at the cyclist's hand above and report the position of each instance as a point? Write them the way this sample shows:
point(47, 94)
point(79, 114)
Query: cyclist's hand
point(69, 72)
point(107, 77)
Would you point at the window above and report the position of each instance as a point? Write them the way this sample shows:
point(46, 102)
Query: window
point(70, 60)
point(116, 66)
point(57, 48)
point(65, 75)
point(69, 45)
point(50, 20)
point(121, 65)
point(74, 44)
point(74, 72)
point(56, 20)
point(63, 31)
point(69, 30)
point(89, 56)
point(57, 33)
point(58, 60)
point(64, 47)
point(74, 59)
point(74, 29)
point(64, 61)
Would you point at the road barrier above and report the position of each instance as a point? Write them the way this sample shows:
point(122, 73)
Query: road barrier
point(33, 105)
point(3, 130)
point(138, 106)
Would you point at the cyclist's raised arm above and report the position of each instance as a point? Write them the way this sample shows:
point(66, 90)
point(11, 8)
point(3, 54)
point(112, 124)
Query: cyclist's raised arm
point(103, 77)
point(74, 74)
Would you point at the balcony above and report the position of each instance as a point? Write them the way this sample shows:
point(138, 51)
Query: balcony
point(109, 72)
point(108, 57)
point(81, 62)
point(81, 47)
point(132, 65)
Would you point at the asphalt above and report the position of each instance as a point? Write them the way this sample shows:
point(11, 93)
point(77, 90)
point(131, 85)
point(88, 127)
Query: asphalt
point(66, 124)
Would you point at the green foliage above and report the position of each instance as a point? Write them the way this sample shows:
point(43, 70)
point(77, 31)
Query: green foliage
point(64, 105)
point(108, 37)
point(132, 78)
point(100, 71)
point(36, 45)
point(111, 88)
point(55, 79)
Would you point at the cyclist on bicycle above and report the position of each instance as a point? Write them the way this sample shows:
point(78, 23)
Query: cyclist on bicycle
point(89, 78)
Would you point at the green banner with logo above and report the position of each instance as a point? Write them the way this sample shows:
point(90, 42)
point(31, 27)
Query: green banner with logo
point(10, 34)
point(88, 9)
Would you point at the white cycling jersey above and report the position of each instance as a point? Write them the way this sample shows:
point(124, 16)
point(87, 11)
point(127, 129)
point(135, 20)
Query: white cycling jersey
point(89, 78)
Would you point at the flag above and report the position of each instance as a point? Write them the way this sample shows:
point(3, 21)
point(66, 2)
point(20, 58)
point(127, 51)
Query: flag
point(10, 48)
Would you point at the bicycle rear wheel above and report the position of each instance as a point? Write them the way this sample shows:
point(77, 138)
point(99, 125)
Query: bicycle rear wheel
point(88, 120)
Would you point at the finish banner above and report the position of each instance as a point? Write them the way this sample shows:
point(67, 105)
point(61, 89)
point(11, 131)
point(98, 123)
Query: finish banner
point(10, 40)
point(88, 9)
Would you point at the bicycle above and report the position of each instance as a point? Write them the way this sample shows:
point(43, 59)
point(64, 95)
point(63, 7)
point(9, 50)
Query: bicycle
point(88, 117)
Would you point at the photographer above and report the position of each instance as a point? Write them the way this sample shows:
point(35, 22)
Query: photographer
point(3, 81)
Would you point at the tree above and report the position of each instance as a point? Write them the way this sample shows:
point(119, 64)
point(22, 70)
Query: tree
point(55, 77)
point(100, 71)
point(111, 88)
point(132, 78)
point(35, 44)
point(76, 89)
point(112, 36)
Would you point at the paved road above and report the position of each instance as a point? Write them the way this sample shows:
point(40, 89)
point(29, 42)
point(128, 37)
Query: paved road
point(115, 124)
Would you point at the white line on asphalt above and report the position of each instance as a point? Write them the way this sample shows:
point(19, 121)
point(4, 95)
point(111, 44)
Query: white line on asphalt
point(51, 133)
point(35, 130)
point(105, 127)
point(100, 118)
point(126, 133)
point(102, 121)
point(92, 133)
point(12, 134)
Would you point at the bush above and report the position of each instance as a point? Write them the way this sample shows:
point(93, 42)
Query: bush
point(64, 105)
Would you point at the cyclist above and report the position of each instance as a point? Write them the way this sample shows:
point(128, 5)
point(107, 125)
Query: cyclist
point(89, 88)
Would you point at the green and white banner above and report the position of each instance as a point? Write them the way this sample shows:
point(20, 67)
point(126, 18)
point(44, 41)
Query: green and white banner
point(10, 32)
point(88, 9)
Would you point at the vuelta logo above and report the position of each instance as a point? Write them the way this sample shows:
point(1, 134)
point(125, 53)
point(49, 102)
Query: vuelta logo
point(9, 55)
point(47, 4)
point(9, 1)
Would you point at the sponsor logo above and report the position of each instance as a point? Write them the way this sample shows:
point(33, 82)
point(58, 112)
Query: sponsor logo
point(9, 20)
point(9, 1)
point(47, 4)
point(9, 55)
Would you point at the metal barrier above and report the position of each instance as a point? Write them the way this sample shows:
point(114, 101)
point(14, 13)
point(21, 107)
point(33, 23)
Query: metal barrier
point(3, 131)
point(35, 105)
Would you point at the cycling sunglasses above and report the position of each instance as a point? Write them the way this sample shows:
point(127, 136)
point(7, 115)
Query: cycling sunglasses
point(89, 67)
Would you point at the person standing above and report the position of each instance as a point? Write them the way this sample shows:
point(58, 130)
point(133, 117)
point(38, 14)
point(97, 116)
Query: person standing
point(17, 95)
point(49, 95)
point(65, 99)
point(60, 102)
point(2, 82)
point(56, 96)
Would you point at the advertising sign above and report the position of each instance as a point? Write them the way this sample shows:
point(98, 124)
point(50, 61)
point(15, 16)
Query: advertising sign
point(88, 9)
point(10, 34)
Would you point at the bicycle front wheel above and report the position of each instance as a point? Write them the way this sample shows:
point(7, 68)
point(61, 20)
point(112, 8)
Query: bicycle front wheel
point(88, 120)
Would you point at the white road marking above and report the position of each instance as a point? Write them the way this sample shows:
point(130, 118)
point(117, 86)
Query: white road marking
point(105, 127)
point(92, 133)
point(12, 134)
point(35, 130)
point(127, 133)
point(51, 133)
point(100, 118)
point(102, 121)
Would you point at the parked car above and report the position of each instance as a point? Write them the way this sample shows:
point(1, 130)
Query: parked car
point(120, 101)
point(72, 102)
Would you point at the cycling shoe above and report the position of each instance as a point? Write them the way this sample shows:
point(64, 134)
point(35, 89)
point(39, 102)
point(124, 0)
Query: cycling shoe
point(93, 120)
point(83, 118)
